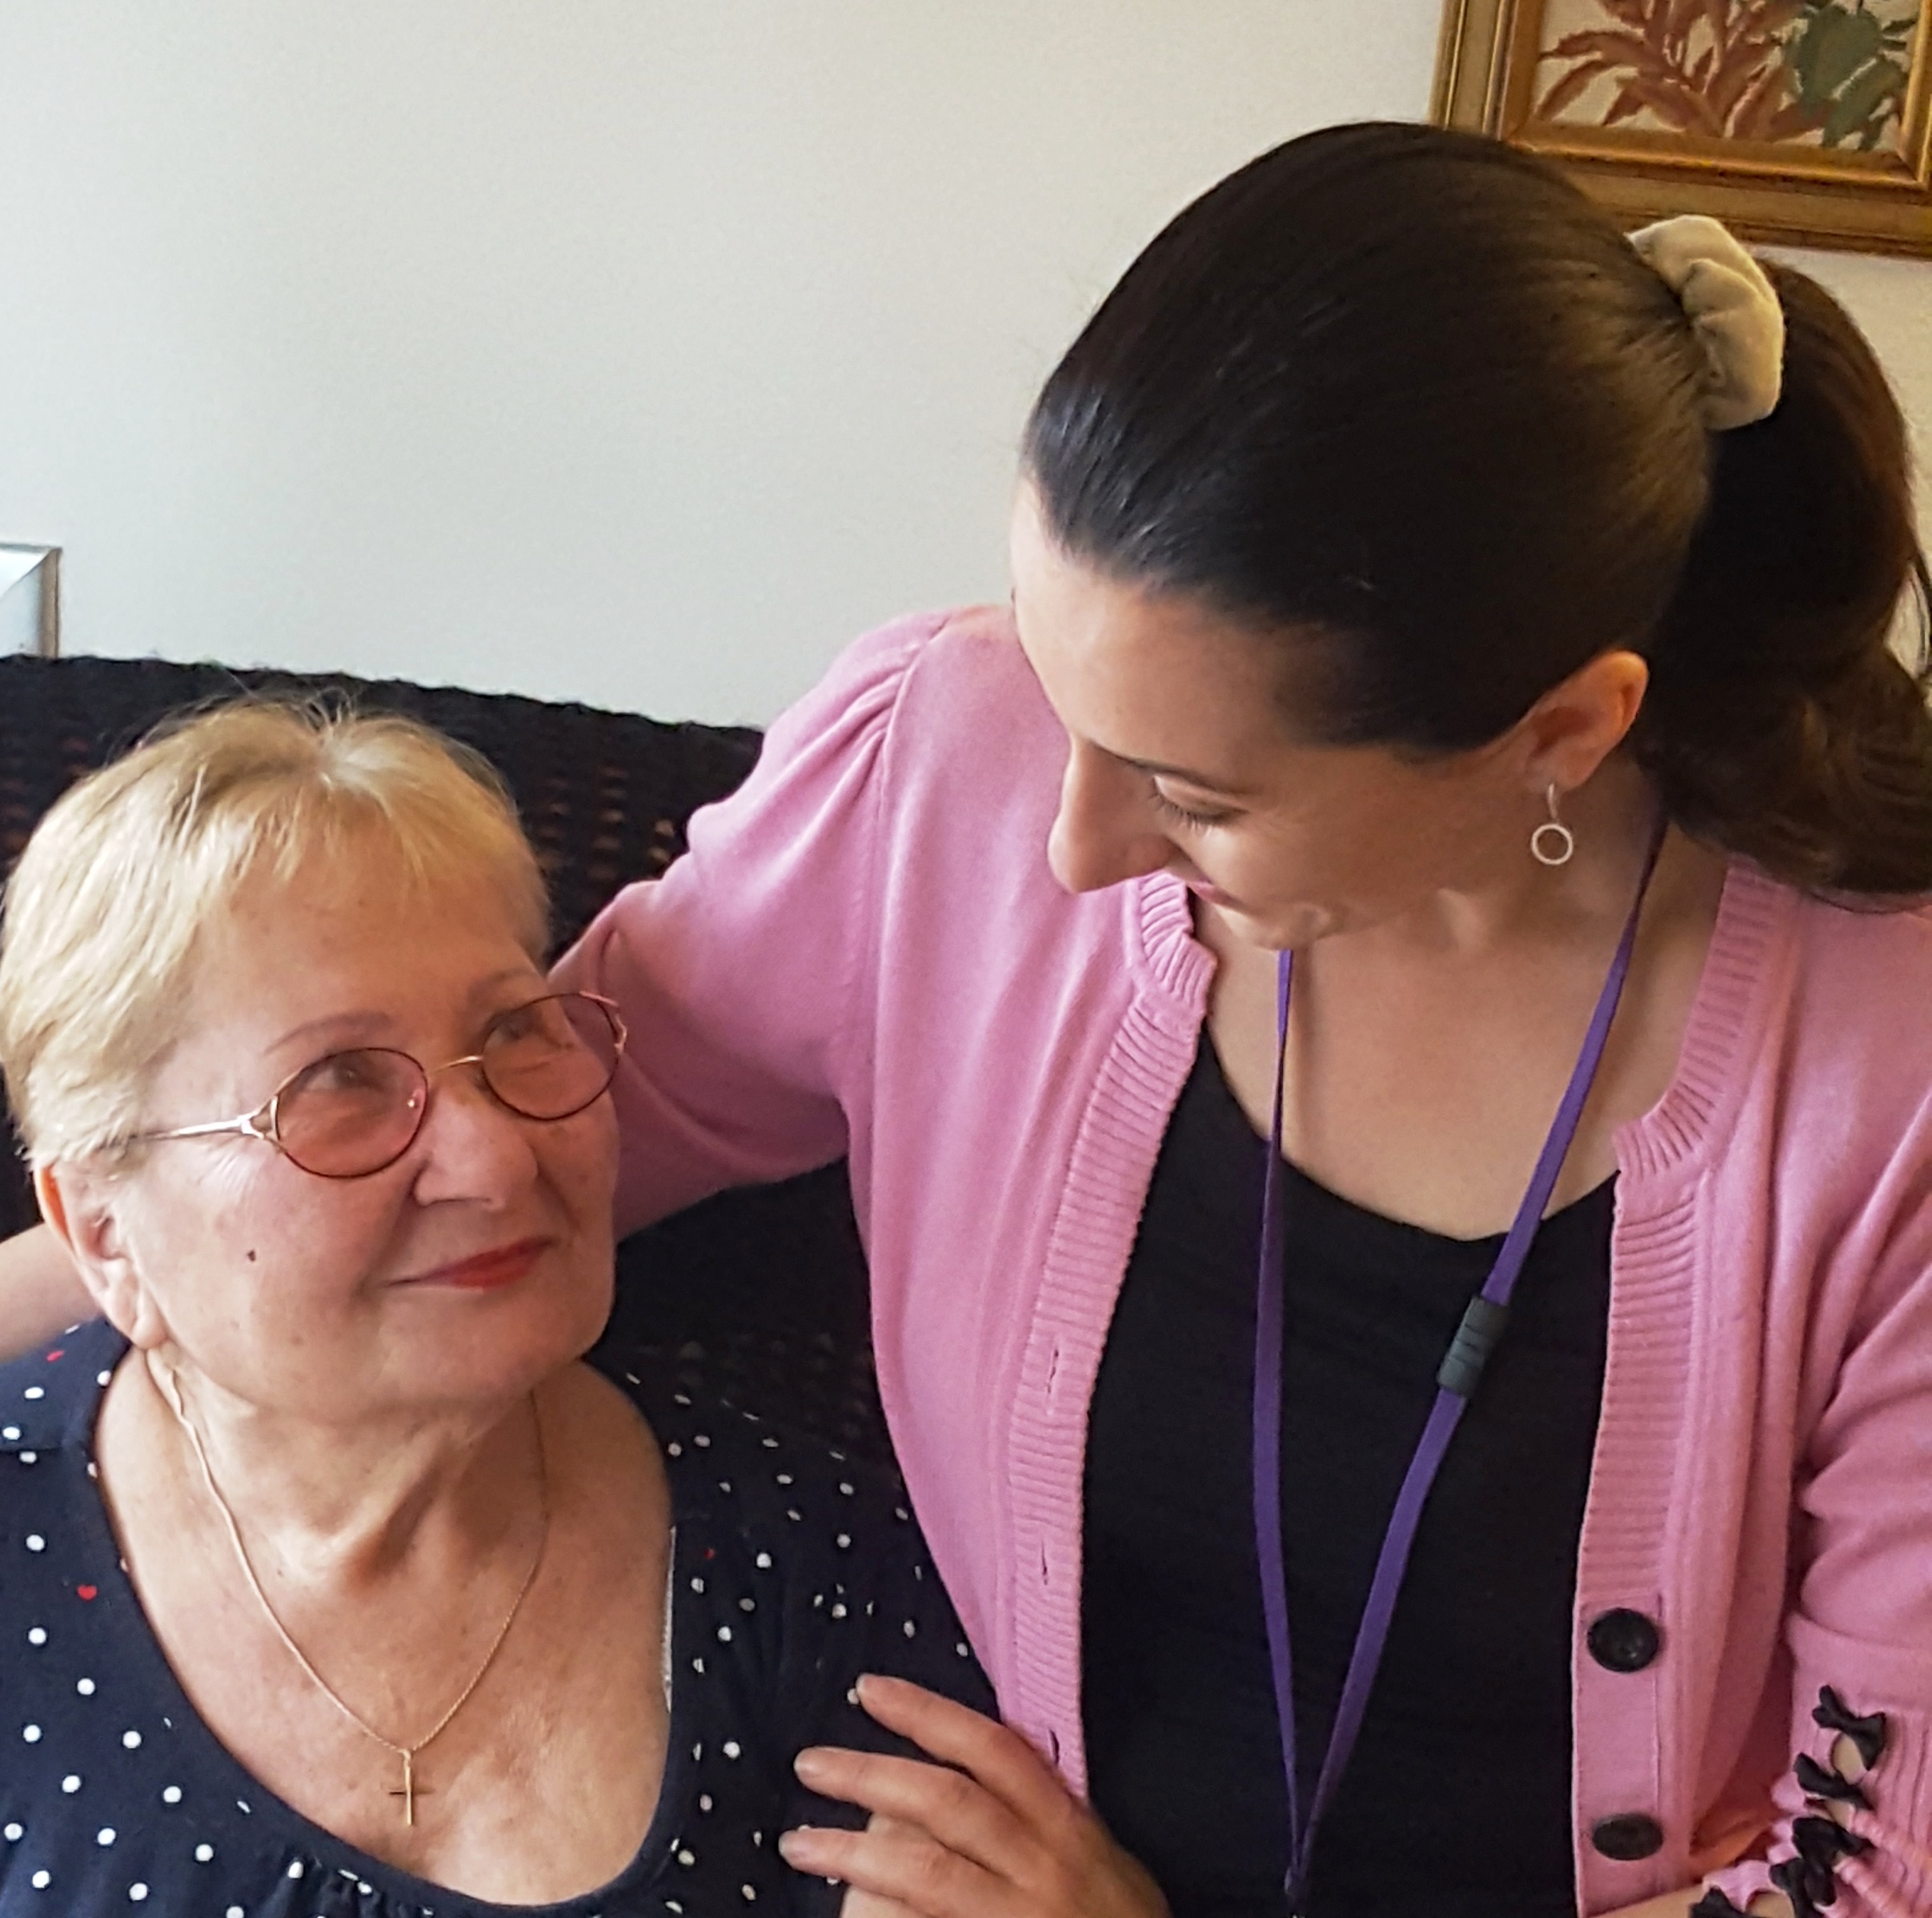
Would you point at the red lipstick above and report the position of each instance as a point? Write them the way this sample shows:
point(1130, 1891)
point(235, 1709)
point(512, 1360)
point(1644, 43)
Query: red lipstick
point(485, 1271)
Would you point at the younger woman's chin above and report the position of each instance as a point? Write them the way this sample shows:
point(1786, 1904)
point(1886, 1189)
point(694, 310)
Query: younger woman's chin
point(1278, 931)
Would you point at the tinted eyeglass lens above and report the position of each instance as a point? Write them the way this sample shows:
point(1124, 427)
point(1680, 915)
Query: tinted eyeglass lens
point(352, 1111)
point(552, 1058)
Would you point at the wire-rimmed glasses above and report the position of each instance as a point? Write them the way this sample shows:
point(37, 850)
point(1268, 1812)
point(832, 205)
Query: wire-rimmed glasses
point(356, 1112)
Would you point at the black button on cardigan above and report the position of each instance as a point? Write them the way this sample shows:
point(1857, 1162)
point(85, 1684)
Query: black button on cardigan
point(1623, 1640)
point(1628, 1837)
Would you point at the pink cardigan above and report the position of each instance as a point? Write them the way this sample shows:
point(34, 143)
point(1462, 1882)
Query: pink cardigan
point(863, 951)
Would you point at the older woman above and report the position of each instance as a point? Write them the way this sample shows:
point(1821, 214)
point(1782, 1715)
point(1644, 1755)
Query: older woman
point(334, 1580)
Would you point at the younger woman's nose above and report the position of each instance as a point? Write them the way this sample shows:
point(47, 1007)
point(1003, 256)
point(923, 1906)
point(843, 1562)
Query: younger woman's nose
point(1102, 833)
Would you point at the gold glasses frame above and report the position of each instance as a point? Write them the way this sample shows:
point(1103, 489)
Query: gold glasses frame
point(264, 1121)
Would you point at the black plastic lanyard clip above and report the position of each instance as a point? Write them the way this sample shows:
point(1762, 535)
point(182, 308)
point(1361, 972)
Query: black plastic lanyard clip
point(1478, 1335)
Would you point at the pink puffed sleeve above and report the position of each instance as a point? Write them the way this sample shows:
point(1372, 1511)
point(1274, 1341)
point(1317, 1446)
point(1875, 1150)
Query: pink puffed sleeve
point(743, 973)
point(1855, 1834)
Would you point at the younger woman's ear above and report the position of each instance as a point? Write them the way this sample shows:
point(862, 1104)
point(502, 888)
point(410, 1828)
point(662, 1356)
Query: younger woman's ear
point(1578, 724)
point(79, 1202)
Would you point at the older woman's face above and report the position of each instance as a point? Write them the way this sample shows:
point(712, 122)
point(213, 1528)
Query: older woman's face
point(476, 1264)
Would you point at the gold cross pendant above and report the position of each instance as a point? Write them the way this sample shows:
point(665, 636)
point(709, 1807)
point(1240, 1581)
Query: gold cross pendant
point(411, 1790)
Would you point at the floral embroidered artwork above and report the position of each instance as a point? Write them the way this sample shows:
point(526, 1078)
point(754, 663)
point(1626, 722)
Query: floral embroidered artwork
point(1804, 122)
point(1823, 73)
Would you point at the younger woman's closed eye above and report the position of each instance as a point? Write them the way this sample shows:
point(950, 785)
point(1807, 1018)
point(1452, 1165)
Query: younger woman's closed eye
point(1194, 819)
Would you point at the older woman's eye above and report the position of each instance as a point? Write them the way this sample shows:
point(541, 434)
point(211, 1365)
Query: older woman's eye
point(537, 1027)
point(348, 1088)
point(327, 1114)
point(344, 1073)
point(529, 1046)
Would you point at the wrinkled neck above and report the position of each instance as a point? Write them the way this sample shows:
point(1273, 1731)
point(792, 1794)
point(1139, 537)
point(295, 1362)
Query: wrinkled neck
point(326, 1504)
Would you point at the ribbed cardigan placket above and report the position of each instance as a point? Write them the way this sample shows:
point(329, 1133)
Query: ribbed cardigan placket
point(1116, 1144)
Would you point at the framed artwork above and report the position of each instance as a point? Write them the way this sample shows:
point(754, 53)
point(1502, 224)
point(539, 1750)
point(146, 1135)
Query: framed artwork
point(1808, 122)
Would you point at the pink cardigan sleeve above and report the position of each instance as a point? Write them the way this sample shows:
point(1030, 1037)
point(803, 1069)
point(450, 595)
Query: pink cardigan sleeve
point(1855, 1826)
point(743, 973)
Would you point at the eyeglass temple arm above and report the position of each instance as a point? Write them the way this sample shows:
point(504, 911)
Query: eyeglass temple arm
point(250, 1123)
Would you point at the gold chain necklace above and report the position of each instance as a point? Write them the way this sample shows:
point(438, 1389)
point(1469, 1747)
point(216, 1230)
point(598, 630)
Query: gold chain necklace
point(170, 1390)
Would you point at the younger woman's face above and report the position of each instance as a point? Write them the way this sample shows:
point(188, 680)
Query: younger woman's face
point(1183, 755)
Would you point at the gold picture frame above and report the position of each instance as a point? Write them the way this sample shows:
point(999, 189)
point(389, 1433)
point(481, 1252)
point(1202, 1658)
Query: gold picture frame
point(1806, 122)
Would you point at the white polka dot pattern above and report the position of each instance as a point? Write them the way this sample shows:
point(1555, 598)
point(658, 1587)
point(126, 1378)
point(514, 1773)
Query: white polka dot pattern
point(795, 1571)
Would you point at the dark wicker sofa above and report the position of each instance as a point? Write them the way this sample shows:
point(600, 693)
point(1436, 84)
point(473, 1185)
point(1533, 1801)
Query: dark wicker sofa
point(758, 1295)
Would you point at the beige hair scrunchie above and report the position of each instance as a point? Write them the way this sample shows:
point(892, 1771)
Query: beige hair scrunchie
point(1733, 307)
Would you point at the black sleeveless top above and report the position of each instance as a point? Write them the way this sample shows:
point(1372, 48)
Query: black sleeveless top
point(1457, 1801)
point(795, 1569)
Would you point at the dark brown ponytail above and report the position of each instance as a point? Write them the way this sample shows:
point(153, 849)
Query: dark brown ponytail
point(1780, 724)
point(1406, 400)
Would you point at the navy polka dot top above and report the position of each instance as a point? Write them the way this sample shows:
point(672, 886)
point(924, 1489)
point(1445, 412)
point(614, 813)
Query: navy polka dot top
point(796, 1571)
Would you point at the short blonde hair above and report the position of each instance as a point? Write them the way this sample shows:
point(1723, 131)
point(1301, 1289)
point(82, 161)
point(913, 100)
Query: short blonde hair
point(105, 907)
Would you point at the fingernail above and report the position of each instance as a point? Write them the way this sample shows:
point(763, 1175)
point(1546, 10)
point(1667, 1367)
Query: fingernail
point(811, 1763)
point(793, 1846)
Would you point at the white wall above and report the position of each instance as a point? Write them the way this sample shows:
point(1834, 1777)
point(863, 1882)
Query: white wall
point(618, 349)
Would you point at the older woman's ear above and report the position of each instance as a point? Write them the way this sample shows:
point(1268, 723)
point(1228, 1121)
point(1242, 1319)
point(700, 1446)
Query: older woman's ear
point(77, 1201)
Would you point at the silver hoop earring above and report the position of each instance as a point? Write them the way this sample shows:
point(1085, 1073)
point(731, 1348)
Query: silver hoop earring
point(1552, 843)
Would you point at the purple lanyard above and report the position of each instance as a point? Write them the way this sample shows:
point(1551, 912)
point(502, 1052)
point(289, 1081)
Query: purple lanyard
point(1476, 1337)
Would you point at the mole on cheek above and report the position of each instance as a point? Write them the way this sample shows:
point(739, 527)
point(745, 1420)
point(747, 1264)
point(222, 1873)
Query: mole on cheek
point(252, 1257)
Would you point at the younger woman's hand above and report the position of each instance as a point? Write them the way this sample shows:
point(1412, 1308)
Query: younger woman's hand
point(989, 1833)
